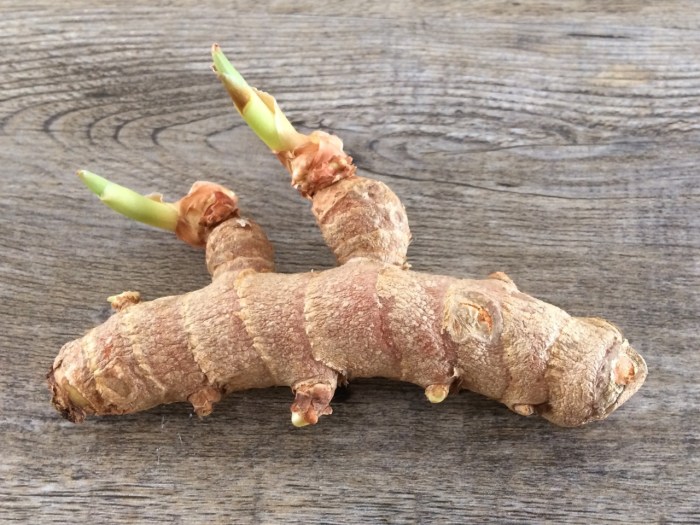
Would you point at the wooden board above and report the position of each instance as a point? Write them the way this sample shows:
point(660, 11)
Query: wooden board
point(556, 141)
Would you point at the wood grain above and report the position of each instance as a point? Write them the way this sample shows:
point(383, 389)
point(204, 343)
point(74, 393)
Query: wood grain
point(557, 141)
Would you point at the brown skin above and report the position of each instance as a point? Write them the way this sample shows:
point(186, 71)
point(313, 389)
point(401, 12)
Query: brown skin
point(369, 317)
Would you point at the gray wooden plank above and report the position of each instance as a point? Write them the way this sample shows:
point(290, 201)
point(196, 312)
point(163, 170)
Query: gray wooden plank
point(556, 141)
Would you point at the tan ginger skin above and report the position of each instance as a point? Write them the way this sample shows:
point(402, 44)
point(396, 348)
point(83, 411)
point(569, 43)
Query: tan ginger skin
point(369, 317)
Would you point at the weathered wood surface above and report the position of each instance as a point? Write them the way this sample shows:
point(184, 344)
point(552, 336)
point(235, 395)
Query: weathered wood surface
point(557, 141)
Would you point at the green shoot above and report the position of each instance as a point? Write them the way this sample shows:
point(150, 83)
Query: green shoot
point(259, 110)
point(131, 204)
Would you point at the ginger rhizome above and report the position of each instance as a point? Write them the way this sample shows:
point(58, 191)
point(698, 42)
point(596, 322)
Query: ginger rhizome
point(369, 317)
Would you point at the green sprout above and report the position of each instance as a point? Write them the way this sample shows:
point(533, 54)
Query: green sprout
point(131, 204)
point(259, 109)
